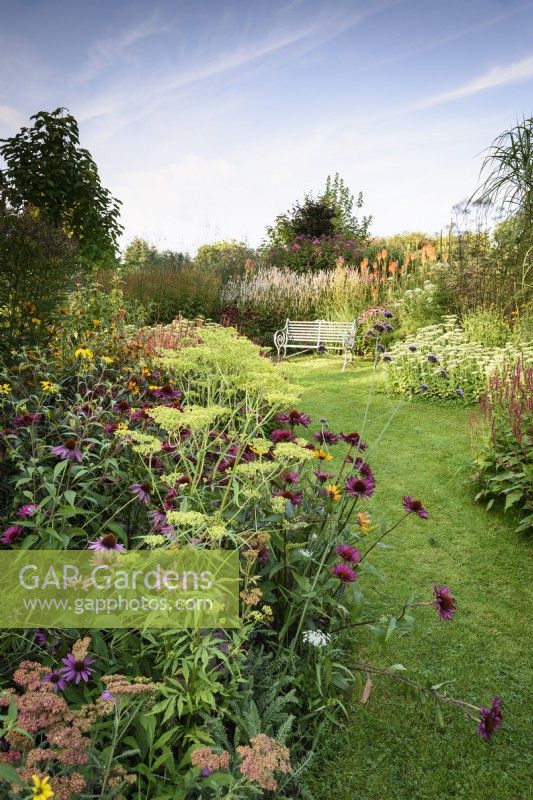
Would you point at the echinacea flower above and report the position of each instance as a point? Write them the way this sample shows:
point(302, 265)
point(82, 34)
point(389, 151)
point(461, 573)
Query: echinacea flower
point(68, 450)
point(326, 437)
point(56, 680)
point(332, 491)
point(27, 510)
point(444, 602)
point(354, 439)
point(360, 487)
point(142, 492)
point(294, 418)
point(348, 553)
point(433, 359)
point(41, 637)
point(323, 476)
point(290, 477)
point(106, 542)
point(27, 419)
point(11, 534)
point(282, 435)
point(490, 719)
point(415, 506)
point(77, 669)
point(294, 497)
point(344, 573)
point(41, 788)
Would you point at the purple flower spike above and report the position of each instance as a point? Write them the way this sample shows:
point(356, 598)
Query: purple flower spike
point(415, 506)
point(444, 602)
point(490, 719)
point(76, 670)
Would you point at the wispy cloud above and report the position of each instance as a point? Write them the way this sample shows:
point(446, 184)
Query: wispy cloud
point(106, 52)
point(502, 75)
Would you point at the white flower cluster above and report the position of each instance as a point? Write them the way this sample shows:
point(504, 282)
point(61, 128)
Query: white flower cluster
point(316, 638)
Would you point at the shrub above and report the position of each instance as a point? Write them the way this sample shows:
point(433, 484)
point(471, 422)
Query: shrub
point(37, 263)
point(486, 327)
point(313, 253)
point(439, 362)
point(504, 469)
point(224, 260)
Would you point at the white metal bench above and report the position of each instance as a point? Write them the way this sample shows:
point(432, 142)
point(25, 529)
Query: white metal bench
point(319, 335)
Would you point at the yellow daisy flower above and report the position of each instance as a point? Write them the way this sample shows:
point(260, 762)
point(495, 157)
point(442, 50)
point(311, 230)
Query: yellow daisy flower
point(41, 788)
point(332, 491)
point(5, 388)
point(322, 455)
point(108, 360)
point(49, 387)
point(84, 352)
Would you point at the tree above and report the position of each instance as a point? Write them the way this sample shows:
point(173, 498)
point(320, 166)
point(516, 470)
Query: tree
point(47, 170)
point(329, 214)
point(139, 254)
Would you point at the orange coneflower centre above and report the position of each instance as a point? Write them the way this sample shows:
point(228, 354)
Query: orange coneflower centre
point(109, 540)
point(70, 444)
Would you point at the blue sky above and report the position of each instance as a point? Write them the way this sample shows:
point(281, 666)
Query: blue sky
point(209, 118)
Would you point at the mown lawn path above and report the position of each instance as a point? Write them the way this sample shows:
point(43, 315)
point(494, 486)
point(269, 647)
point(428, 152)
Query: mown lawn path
point(387, 750)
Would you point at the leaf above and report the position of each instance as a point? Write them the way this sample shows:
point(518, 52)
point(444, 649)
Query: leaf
point(10, 774)
point(366, 691)
point(512, 498)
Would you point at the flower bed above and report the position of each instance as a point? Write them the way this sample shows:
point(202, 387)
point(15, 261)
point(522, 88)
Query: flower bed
point(440, 362)
point(135, 443)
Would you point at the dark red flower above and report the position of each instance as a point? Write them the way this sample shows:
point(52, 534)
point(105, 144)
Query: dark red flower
point(282, 435)
point(344, 573)
point(490, 719)
point(444, 602)
point(360, 487)
point(415, 506)
point(326, 437)
point(294, 418)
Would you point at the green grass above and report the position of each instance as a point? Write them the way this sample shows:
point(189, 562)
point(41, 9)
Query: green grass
point(388, 750)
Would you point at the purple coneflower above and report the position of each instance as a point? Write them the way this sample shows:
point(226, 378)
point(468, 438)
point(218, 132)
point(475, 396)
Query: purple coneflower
point(68, 450)
point(282, 435)
point(290, 477)
point(344, 573)
point(11, 534)
point(122, 407)
point(415, 506)
point(110, 427)
point(76, 670)
point(56, 680)
point(106, 695)
point(326, 437)
point(444, 602)
point(354, 439)
point(40, 636)
point(294, 418)
point(159, 521)
point(323, 476)
point(142, 491)
point(433, 358)
point(490, 719)
point(294, 497)
point(360, 487)
point(27, 419)
point(26, 511)
point(166, 392)
point(106, 542)
point(348, 553)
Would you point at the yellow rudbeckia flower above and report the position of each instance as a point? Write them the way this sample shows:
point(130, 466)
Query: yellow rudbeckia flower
point(84, 352)
point(41, 788)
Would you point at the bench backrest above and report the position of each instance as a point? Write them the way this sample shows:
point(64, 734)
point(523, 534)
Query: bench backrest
point(318, 330)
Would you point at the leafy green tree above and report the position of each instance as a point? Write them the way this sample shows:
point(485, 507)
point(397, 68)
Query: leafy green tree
point(139, 254)
point(47, 170)
point(329, 214)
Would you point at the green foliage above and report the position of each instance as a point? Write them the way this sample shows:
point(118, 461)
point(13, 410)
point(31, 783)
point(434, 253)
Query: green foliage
point(328, 215)
point(224, 259)
point(37, 263)
point(139, 254)
point(46, 169)
point(486, 327)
